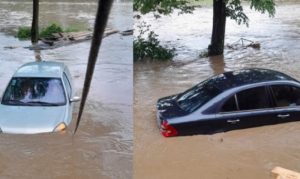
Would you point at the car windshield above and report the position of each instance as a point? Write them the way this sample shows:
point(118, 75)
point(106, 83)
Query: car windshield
point(197, 96)
point(34, 92)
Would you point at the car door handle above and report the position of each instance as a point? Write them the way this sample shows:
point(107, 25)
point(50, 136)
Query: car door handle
point(283, 115)
point(233, 121)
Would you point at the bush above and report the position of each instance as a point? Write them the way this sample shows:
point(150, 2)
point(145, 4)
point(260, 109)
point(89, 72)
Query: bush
point(48, 31)
point(24, 33)
point(150, 47)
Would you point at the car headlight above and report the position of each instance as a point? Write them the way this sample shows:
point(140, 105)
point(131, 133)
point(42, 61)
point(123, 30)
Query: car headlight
point(60, 127)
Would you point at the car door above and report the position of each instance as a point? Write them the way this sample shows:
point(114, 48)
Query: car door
point(227, 115)
point(253, 107)
point(286, 101)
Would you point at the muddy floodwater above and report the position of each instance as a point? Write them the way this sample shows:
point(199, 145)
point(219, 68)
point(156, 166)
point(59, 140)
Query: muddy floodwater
point(102, 147)
point(240, 154)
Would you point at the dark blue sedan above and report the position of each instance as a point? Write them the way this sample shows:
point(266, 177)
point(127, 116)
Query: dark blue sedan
point(232, 100)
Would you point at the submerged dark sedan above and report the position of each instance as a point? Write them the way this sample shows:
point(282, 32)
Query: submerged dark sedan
point(232, 100)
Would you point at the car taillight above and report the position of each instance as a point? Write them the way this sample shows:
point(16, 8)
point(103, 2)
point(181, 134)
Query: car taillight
point(167, 130)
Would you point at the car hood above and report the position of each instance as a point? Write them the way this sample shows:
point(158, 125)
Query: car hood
point(30, 119)
point(168, 108)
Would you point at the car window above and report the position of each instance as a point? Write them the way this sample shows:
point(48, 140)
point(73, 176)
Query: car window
point(254, 98)
point(34, 92)
point(229, 105)
point(286, 95)
point(68, 86)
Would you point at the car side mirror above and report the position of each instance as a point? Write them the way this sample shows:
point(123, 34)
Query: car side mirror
point(75, 99)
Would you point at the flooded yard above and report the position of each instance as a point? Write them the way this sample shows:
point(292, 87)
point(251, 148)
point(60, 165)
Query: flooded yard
point(102, 146)
point(248, 153)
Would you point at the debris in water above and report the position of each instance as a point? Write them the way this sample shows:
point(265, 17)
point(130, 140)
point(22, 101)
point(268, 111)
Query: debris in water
point(127, 32)
point(203, 54)
point(66, 38)
point(243, 43)
point(10, 47)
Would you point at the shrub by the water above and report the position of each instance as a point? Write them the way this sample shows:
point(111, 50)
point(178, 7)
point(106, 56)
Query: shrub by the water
point(24, 32)
point(145, 48)
point(48, 31)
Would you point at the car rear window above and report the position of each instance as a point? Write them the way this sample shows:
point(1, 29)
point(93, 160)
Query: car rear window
point(197, 96)
point(286, 95)
point(23, 91)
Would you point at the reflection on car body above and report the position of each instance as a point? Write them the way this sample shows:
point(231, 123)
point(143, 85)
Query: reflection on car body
point(232, 100)
point(38, 99)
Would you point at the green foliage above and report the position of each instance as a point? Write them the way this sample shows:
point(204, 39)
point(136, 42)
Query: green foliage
point(263, 6)
point(48, 31)
point(161, 6)
point(24, 33)
point(150, 47)
point(234, 9)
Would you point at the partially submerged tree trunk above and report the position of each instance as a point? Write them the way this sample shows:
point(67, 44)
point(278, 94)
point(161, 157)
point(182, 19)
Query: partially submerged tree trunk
point(35, 22)
point(218, 32)
point(104, 7)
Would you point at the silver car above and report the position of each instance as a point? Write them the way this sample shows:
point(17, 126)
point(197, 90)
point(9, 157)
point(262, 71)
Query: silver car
point(39, 98)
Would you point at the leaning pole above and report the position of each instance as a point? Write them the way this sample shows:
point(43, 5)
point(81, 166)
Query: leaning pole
point(102, 15)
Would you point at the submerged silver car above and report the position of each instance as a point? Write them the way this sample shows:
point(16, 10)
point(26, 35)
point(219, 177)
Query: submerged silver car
point(39, 98)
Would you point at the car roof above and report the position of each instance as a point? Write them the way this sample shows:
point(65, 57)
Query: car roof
point(243, 77)
point(41, 69)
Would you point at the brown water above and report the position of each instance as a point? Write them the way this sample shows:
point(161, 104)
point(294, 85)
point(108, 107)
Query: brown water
point(248, 153)
point(102, 147)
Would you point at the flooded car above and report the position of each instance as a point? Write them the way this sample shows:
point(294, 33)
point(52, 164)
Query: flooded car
point(231, 100)
point(39, 98)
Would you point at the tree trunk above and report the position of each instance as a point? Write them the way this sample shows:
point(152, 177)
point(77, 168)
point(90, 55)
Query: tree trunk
point(218, 32)
point(104, 7)
point(35, 22)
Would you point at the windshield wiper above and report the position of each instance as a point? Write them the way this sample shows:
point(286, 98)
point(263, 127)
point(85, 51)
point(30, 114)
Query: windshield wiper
point(12, 102)
point(42, 103)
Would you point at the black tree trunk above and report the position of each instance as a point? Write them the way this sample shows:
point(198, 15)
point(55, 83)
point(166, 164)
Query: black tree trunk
point(218, 32)
point(104, 7)
point(35, 22)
